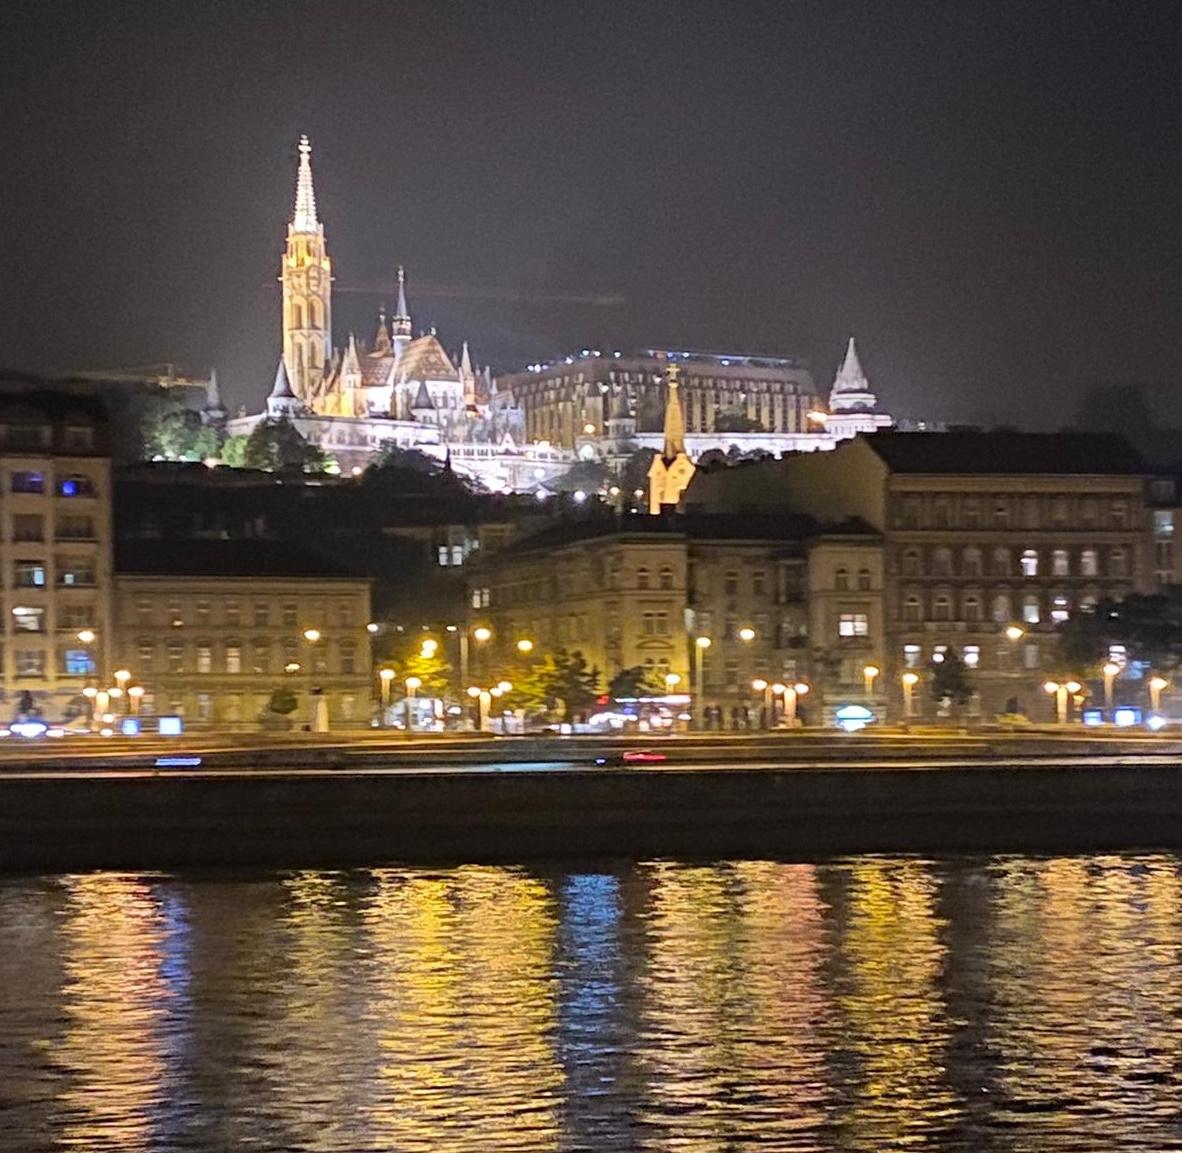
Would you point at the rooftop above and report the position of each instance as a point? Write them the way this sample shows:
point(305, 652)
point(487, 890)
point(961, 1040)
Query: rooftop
point(224, 558)
point(1002, 451)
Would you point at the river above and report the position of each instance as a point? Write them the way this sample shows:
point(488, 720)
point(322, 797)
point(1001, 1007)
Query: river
point(872, 1003)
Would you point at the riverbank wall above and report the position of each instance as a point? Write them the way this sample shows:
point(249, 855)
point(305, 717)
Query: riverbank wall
point(323, 819)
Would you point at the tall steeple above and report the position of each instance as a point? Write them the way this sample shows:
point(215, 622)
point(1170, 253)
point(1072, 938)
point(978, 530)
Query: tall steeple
point(282, 401)
point(400, 329)
point(306, 276)
point(467, 377)
point(672, 470)
point(381, 342)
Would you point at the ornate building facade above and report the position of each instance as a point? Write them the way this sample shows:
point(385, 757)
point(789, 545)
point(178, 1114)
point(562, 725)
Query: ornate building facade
point(521, 432)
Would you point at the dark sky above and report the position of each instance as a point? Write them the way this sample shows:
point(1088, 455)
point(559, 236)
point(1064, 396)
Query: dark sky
point(987, 194)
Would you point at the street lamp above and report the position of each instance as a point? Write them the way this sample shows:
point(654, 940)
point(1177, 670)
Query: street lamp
point(525, 646)
point(792, 694)
point(482, 634)
point(701, 644)
point(1015, 633)
point(122, 676)
point(1061, 690)
point(385, 676)
point(86, 636)
point(1156, 684)
point(413, 684)
point(135, 695)
point(672, 680)
point(746, 634)
point(869, 673)
point(1111, 671)
point(910, 680)
point(311, 636)
point(762, 686)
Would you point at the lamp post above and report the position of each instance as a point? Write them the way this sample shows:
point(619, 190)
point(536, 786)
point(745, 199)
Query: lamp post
point(910, 680)
point(746, 635)
point(122, 677)
point(525, 646)
point(480, 634)
point(413, 684)
point(1111, 670)
point(762, 686)
point(386, 676)
point(135, 696)
point(701, 644)
point(311, 636)
point(792, 695)
point(1061, 690)
point(672, 680)
point(1156, 684)
point(485, 698)
point(869, 673)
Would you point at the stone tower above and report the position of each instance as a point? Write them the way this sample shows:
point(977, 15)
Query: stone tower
point(307, 290)
point(672, 470)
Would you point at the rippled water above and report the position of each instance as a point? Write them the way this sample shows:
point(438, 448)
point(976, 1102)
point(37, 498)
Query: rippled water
point(867, 1004)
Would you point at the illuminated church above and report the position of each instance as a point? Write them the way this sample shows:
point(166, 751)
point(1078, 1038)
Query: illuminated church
point(407, 391)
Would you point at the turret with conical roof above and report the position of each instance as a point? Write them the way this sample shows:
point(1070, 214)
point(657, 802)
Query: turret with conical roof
point(400, 326)
point(282, 401)
point(850, 388)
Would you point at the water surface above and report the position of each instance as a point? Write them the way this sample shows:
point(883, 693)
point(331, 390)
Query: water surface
point(866, 1004)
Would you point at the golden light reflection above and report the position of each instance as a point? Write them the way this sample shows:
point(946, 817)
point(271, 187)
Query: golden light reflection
point(114, 1002)
point(465, 1008)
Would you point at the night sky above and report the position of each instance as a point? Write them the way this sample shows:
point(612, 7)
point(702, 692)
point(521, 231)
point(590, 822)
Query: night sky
point(987, 195)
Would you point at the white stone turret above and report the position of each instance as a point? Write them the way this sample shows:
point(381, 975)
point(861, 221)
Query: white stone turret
point(850, 388)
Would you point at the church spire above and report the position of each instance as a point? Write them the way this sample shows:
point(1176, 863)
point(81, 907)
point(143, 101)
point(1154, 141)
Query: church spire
point(850, 388)
point(381, 342)
point(674, 419)
point(304, 218)
point(400, 325)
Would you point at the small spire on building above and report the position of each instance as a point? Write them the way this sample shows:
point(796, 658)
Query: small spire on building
point(851, 389)
point(401, 322)
point(304, 217)
point(281, 389)
point(381, 342)
point(674, 419)
point(465, 360)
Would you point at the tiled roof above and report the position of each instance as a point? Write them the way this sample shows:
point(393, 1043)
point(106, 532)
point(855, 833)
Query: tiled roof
point(424, 359)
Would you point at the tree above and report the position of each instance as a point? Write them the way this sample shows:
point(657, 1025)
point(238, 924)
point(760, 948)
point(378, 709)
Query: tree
point(283, 701)
point(637, 681)
point(736, 422)
point(574, 683)
point(634, 474)
point(276, 445)
point(588, 476)
point(949, 680)
point(171, 431)
point(1149, 626)
point(391, 455)
point(434, 673)
point(234, 451)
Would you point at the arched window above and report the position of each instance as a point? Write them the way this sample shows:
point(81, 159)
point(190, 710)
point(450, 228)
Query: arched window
point(841, 580)
point(971, 562)
point(1029, 563)
point(971, 610)
point(912, 565)
point(1001, 562)
point(942, 562)
point(1002, 608)
point(942, 607)
point(1060, 607)
point(1060, 564)
point(912, 608)
point(297, 314)
point(315, 316)
point(665, 577)
point(1089, 565)
point(1031, 609)
point(642, 578)
point(864, 579)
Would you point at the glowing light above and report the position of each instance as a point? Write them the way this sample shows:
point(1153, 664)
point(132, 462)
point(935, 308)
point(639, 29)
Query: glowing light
point(703, 642)
point(372, 627)
point(86, 636)
point(473, 691)
point(504, 686)
point(525, 645)
point(311, 635)
point(672, 680)
point(482, 633)
point(759, 684)
point(910, 679)
point(779, 688)
point(1015, 632)
point(1111, 669)
point(580, 496)
point(746, 634)
point(1158, 683)
point(413, 683)
point(386, 674)
point(1156, 722)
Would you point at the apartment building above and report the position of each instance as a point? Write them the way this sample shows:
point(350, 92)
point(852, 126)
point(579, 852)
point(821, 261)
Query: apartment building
point(210, 629)
point(55, 549)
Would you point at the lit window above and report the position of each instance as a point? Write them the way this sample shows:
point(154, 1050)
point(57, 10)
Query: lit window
point(1088, 564)
point(76, 486)
point(33, 482)
point(204, 659)
point(1163, 522)
point(28, 619)
point(29, 574)
point(1029, 563)
point(972, 656)
point(1059, 563)
point(204, 706)
point(78, 663)
point(176, 658)
point(1060, 609)
point(911, 656)
point(1030, 655)
point(233, 658)
point(853, 625)
point(1030, 610)
point(457, 555)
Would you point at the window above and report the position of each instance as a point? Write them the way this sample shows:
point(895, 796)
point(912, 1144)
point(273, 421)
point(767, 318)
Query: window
point(26, 436)
point(28, 619)
point(30, 662)
point(971, 654)
point(1060, 608)
point(942, 562)
point(971, 562)
point(145, 656)
point(853, 625)
point(27, 526)
point(1118, 564)
point(730, 627)
point(665, 578)
point(1030, 655)
point(642, 578)
point(345, 615)
point(1088, 564)
point(291, 613)
point(911, 656)
point(73, 527)
point(75, 486)
point(143, 612)
point(841, 580)
point(443, 555)
point(1059, 511)
point(1029, 563)
point(29, 574)
point(730, 673)
point(912, 564)
point(912, 608)
point(1120, 514)
point(1087, 512)
point(481, 598)
point(75, 572)
point(1030, 609)
point(971, 513)
point(655, 624)
point(1163, 522)
point(973, 610)
point(1030, 512)
point(1002, 608)
point(78, 663)
point(233, 658)
point(730, 584)
point(233, 614)
point(175, 617)
point(1163, 561)
point(457, 555)
point(261, 657)
point(348, 658)
point(204, 658)
point(262, 614)
point(79, 438)
point(33, 482)
point(205, 706)
point(201, 613)
point(758, 582)
point(1001, 514)
point(319, 658)
point(864, 580)
point(942, 607)
point(1001, 562)
point(175, 658)
point(1060, 565)
point(76, 617)
point(705, 623)
point(940, 512)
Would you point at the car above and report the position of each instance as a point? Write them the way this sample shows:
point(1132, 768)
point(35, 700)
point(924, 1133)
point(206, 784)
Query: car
point(633, 757)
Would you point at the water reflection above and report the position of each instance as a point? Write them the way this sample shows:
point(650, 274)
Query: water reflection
point(869, 1004)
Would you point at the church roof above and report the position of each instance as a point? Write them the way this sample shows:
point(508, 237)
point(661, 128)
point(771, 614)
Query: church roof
point(424, 359)
point(281, 389)
point(376, 368)
point(423, 398)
